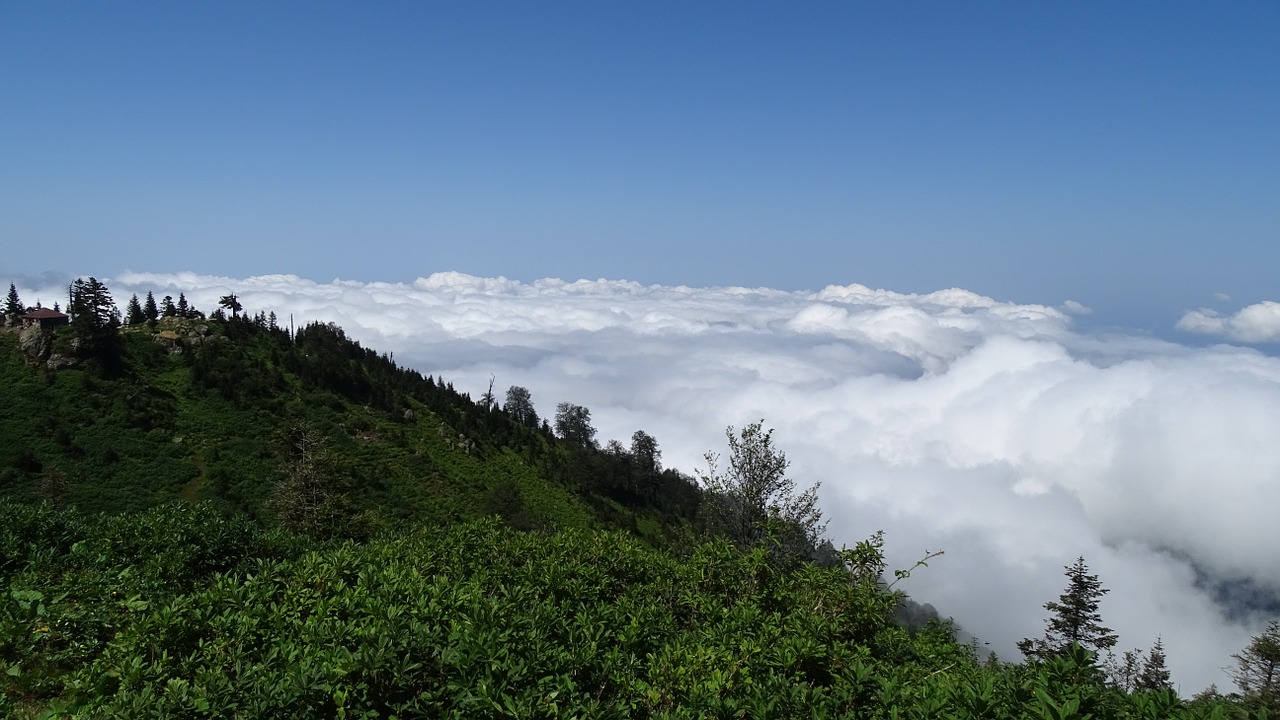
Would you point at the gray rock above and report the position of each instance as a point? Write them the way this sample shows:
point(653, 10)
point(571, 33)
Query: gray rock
point(36, 344)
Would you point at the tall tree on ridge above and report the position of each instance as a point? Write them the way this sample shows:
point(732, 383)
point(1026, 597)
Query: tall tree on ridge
point(133, 314)
point(519, 406)
point(12, 305)
point(1075, 619)
point(232, 303)
point(573, 423)
point(91, 305)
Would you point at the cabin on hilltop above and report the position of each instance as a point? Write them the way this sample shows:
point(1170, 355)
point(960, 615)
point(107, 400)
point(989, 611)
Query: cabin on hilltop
point(44, 317)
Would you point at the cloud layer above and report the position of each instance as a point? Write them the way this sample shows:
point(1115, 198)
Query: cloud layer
point(953, 421)
point(1257, 323)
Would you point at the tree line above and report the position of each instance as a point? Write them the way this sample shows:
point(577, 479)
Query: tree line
point(746, 498)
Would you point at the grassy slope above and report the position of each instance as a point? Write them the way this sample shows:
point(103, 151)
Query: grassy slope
point(214, 423)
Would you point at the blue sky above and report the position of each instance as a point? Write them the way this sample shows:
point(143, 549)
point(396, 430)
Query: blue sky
point(1124, 155)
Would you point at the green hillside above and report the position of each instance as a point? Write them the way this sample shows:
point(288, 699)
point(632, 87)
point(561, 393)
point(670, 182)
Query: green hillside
point(218, 518)
point(233, 410)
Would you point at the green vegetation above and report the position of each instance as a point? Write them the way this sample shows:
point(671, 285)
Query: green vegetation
point(214, 517)
point(187, 408)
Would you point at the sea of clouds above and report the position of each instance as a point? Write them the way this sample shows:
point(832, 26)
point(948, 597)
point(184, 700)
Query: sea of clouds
point(991, 430)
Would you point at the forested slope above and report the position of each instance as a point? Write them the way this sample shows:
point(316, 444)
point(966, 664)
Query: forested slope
point(216, 517)
point(239, 412)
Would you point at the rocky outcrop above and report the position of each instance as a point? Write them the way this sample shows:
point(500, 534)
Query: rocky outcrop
point(37, 347)
point(36, 344)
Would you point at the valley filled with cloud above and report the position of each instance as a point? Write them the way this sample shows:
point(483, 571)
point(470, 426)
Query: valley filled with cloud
point(994, 431)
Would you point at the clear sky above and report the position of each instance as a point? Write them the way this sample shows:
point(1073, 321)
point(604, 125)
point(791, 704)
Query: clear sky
point(1123, 155)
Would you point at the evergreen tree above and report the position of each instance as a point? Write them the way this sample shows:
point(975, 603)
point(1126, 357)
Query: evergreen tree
point(1075, 618)
point(1154, 674)
point(1125, 670)
point(149, 307)
point(184, 310)
point(1257, 672)
point(166, 307)
point(94, 319)
point(12, 305)
point(133, 314)
point(91, 305)
point(232, 303)
point(310, 498)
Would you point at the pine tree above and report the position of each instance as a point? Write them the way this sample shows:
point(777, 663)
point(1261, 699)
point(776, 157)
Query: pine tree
point(1154, 674)
point(232, 303)
point(91, 305)
point(1257, 672)
point(133, 314)
point(184, 310)
point(12, 305)
point(149, 307)
point(94, 319)
point(166, 307)
point(1075, 618)
point(310, 498)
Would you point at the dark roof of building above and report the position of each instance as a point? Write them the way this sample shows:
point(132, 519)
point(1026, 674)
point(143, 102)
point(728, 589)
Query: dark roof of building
point(43, 314)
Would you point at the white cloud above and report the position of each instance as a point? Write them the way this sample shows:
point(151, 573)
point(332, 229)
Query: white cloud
point(951, 420)
point(1071, 307)
point(1257, 323)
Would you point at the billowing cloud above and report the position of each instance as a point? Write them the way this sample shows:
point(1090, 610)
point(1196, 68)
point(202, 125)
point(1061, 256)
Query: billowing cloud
point(1257, 323)
point(953, 421)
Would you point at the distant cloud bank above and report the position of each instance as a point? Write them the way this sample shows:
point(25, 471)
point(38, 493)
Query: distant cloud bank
point(1258, 323)
point(993, 430)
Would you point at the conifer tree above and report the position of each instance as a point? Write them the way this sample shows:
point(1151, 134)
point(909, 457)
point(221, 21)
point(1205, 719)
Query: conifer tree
point(1154, 674)
point(91, 305)
point(1075, 618)
point(133, 314)
point(149, 307)
point(310, 498)
point(184, 310)
point(94, 319)
point(232, 303)
point(12, 305)
point(166, 307)
point(1257, 672)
